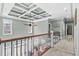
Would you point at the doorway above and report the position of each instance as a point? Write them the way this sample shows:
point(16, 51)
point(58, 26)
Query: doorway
point(69, 29)
point(70, 37)
point(69, 32)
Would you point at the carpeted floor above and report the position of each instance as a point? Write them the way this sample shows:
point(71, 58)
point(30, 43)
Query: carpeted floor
point(62, 48)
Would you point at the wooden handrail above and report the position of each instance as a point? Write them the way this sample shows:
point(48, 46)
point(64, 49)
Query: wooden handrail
point(23, 37)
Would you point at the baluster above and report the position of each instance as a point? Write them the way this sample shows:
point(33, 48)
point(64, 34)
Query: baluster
point(52, 39)
point(40, 48)
point(24, 47)
point(32, 45)
point(4, 49)
point(50, 42)
point(12, 48)
point(28, 46)
point(49, 39)
point(21, 49)
point(0, 49)
point(16, 47)
point(38, 45)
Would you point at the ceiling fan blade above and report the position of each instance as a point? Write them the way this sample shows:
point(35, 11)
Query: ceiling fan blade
point(26, 24)
point(31, 24)
point(35, 25)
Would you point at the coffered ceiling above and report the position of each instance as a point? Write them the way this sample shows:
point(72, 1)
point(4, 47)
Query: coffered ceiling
point(28, 11)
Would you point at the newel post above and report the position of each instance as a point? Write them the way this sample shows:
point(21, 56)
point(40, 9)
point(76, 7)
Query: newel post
point(52, 41)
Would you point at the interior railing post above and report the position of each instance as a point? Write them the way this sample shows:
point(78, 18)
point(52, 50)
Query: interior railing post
point(16, 47)
point(21, 49)
point(4, 49)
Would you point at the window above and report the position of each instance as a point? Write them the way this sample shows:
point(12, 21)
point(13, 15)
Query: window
point(7, 27)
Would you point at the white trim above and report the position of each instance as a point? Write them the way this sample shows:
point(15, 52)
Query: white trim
point(9, 17)
point(29, 10)
point(44, 19)
point(14, 18)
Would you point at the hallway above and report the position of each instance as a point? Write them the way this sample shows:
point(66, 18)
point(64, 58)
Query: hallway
point(31, 29)
point(62, 48)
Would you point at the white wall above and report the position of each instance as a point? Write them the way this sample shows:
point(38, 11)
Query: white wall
point(0, 8)
point(42, 27)
point(58, 25)
point(76, 31)
point(56, 9)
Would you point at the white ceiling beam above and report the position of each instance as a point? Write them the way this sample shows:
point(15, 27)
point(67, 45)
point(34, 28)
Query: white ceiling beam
point(44, 19)
point(28, 11)
point(12, 18)
point(18, 18)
